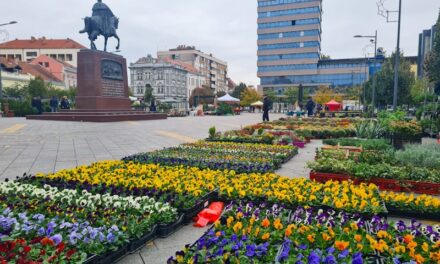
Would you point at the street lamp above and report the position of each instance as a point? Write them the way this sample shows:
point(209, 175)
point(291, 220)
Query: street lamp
point(373, 39)
point(1, 84)
point(9, 23)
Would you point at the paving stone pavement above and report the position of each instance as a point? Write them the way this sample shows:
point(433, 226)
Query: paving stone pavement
point(29, 146)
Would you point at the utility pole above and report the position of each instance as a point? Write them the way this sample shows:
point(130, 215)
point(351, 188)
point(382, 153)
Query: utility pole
point(397, 63)
point(386, 14)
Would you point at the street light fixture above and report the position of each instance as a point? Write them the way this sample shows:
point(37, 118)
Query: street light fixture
point(373, 39)
point(9, 23)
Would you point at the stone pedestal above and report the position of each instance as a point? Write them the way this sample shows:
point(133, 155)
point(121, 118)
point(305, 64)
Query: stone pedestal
point(102, 81)
point(103, 93)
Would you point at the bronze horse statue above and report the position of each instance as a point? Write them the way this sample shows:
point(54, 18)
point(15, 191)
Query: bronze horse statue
point(102, 23)
point(93, 29)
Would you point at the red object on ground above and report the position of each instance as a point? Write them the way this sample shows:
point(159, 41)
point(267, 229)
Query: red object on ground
point(334, 106)
point(210, 214)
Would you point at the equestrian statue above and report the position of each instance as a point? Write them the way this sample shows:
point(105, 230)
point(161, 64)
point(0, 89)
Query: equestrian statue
point(102, 23)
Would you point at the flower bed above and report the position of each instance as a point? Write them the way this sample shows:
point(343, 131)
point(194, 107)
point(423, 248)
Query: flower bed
point(254, 186)
point(261, 234)
point(374, 168)
point(219, 156)
point(85, 223)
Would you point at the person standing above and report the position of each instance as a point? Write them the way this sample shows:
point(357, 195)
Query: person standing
point(310, 106)
point(266, 107)
point(54, 104)
point(65, 103)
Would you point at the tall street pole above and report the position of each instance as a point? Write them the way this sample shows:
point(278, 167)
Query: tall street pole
point(374, 73)
point(397, 62)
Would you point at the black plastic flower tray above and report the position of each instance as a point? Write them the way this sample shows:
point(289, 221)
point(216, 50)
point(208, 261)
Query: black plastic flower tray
point(190, 213)
point(394, 211)
point(137, 244)
point(110, 257)
point(164, 231)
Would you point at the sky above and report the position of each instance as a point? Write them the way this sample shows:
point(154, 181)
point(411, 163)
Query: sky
point(225, 28)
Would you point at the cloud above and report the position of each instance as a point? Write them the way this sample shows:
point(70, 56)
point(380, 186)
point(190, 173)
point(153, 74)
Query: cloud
point(225, 28)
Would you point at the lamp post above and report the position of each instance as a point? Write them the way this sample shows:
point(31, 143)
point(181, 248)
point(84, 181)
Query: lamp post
point(396, 69)
point(1, 82)
point(9, 23)
point(373, 39)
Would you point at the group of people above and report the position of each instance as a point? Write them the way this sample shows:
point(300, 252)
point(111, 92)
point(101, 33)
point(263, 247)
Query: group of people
point(310, 107)
point(53, 103)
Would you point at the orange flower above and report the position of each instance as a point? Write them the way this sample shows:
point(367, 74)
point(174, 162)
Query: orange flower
point(341, 245)
point(408, 238)
point(239, 215)
point(419, 259)
point(218, 234)
point(358, 238)
point(277, 224)
point(326, 237)
point(266, 236)
point(265, 223)
point(311, 238)
point(288, 232)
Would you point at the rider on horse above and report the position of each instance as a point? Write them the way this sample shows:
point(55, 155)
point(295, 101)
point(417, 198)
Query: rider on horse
point(103, 22)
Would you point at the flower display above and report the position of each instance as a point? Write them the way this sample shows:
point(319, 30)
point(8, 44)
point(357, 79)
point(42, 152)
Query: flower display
point(38, 251)
point(250, 158)
point(198, 182)
point(251, 232)
point(411, 203)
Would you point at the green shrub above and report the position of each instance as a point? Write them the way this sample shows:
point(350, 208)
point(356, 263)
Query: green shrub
point(370, 129)
point(367, 144)
point(21, 108)
point(225, 109)
point(419, 156)
point(212, 131)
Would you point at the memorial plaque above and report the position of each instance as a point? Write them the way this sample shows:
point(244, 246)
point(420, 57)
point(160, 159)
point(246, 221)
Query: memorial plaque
point(111, 70)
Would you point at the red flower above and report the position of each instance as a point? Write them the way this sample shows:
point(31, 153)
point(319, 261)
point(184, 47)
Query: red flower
point(47, 241)
point(42, 252)
point(61, 247)
point(70, 253)
point(27, 249)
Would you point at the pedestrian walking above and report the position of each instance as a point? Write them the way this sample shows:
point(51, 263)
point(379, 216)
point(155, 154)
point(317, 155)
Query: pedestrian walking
point(266, 108)
point(54, 104)
point(310, 106)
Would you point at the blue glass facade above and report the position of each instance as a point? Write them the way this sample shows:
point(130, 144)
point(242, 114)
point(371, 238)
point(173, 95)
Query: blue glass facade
point(306, 47)
point(281, 2)
point(293, 45)
point(299, 22)
point(289, 12)
point(288, 56)
point(291, 34)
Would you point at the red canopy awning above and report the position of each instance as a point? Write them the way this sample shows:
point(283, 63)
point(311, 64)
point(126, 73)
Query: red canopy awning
point(334, 106)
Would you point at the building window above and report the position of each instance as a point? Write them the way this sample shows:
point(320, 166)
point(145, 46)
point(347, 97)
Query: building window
point(53, 56)
point(69, 57)
point(61, 57)
point(31, 54)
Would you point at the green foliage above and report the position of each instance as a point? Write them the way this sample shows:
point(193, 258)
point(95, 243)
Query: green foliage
point(249, 96)
point(21, 108)
point(201, 96)
point(148, 96)
point(225, 109)
point(420, 91)
point(212, 132)
point(37, 87)
point(367, 144)
point(385, 83)
point(370, 129)
point(16, 91)
point(238, 90)
point(260, 131)
point(432, 64)
point(420, 156)
point(386, 117)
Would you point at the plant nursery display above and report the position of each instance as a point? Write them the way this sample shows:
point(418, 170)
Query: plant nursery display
point(258, 233)
point(214, 155)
